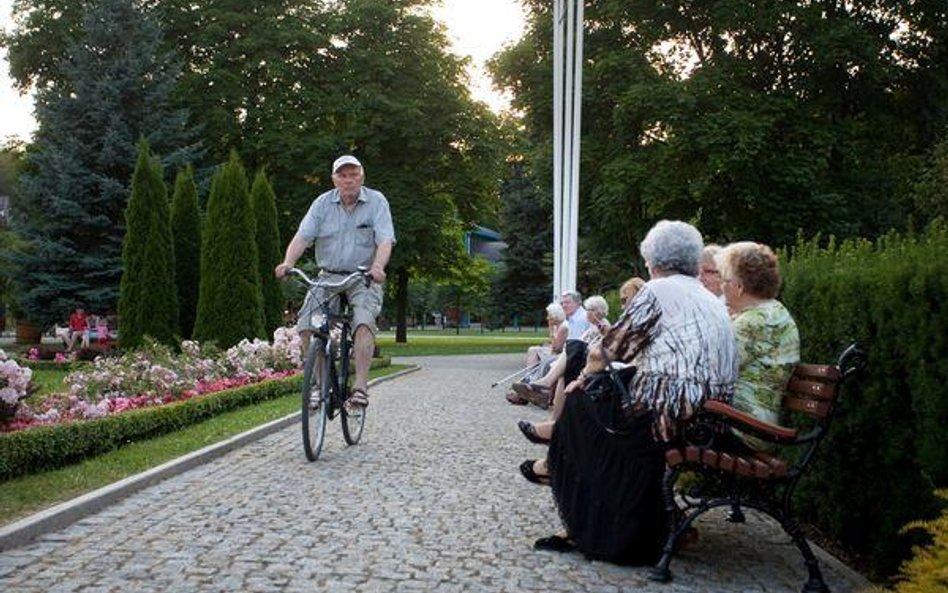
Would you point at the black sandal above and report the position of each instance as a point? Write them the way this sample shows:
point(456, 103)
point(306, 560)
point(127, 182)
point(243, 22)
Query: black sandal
point(358, 397)
point(526, 468)
point(530, 431)
point(554, 543)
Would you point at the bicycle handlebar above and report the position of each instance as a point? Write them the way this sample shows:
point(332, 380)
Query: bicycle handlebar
point(361, 273)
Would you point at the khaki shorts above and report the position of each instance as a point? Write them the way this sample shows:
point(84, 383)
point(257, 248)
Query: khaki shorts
point(364, 301)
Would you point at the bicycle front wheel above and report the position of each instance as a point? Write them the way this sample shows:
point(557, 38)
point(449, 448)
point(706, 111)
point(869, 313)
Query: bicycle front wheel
point(353, 417)
point(315, 399)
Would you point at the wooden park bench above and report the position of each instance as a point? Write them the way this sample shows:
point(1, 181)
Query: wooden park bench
point(757, 480)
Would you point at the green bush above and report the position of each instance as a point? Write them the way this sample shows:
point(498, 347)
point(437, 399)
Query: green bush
point(148, 299)
point(886, 453)
point(269, 250)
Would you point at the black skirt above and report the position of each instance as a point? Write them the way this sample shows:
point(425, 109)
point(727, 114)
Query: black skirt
point(606, 476)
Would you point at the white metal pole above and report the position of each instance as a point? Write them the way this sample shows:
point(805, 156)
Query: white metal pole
point(558, 188)
point(568, 136)
point(577, 104)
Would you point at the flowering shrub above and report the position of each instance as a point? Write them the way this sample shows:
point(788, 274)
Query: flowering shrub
point(155, 375)
point(14, 386)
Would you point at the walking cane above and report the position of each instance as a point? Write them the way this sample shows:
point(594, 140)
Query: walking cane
point(523, 371)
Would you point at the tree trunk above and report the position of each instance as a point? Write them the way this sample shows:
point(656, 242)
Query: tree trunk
point(401, 306)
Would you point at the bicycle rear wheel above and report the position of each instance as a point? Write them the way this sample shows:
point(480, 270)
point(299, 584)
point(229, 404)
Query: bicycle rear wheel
point(315, 399)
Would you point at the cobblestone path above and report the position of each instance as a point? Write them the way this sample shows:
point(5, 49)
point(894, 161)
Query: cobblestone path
point(431, 500)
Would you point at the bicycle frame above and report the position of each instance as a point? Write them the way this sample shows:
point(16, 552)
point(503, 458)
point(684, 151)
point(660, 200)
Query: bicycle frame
point(342, 322)
point(332, 346)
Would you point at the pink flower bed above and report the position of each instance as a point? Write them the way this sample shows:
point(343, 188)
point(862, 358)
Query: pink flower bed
point(156, 376)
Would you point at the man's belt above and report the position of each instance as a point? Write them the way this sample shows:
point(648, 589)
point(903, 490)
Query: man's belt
point(339, 272)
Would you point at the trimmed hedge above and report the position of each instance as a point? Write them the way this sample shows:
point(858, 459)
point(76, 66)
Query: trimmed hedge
point(887, 452)
point(49, 447)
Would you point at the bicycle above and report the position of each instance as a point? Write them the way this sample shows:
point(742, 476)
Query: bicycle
point(329, 355)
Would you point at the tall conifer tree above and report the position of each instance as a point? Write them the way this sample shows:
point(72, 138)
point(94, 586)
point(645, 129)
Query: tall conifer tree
point(230, 303)
point(110, 85)
point(268, 250)
point(186, 230)
point(148, 300)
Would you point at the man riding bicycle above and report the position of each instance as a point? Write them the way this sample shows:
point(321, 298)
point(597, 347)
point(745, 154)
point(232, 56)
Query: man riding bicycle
point(351, 226)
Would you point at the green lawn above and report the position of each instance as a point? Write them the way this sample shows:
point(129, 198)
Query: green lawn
point(47, 382)
point(432, 343)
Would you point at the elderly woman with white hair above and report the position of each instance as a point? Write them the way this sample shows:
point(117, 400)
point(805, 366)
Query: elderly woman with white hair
point(606, 455)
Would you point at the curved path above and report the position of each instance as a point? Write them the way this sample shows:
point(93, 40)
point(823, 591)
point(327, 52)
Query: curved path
point(431, 500)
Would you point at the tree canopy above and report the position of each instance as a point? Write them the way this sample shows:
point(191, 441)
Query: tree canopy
point(751, 120)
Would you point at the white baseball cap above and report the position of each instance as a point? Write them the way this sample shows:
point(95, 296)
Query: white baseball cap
point(346, 159)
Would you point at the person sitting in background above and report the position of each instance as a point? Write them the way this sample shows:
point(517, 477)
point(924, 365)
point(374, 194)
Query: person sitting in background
point(98, 330)
point(77, 328)
point(572, 303)
point(571, 359)
point(768, 341)
point(606, 455)
point(629, 289)
point(92, 322)
point(708, 271)
point(541, 432)
point(557, 330)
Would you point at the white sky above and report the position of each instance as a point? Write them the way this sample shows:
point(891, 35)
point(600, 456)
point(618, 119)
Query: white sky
point(477, 28)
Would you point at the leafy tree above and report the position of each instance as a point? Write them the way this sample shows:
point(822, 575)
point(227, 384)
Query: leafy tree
point(109, 86)
point(148, 299)
point(426, 144)
point(931, 189)
point(255, 81)
point(186, 230)
point(749, 121)
point(230, 303)
point(268, 250)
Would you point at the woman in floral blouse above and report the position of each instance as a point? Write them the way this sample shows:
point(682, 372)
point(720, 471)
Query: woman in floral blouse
point(767, 338)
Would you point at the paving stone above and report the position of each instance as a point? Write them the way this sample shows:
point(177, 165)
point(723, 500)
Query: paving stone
point(431, 500)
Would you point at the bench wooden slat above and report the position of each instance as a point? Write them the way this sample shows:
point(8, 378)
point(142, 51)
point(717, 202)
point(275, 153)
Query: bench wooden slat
point(812, 407)
point(825, 372)
point(781, 432)
point(824, 391)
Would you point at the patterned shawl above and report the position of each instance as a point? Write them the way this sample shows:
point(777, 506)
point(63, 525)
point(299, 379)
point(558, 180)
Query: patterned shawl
point(679, 338)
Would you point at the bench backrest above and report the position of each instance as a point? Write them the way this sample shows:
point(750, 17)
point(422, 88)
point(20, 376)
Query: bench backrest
point(812, 390)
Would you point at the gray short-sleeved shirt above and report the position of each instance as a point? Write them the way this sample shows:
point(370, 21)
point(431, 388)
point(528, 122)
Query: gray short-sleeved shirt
point(347, 240)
